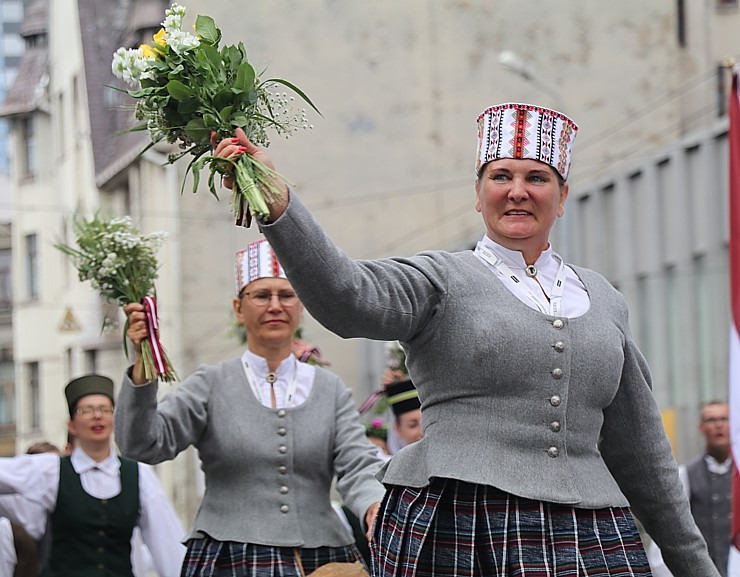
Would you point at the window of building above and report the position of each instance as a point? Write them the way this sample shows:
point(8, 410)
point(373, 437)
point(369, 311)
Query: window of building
point(609, 233)
point(637, 218)
point(30, 146)
point(703, 311)
point(681, 22)
point(674, 313)
point(12, 10)
point(13, 45)
point(644, 307)
point(61, 132)
point(69, 362)
point(583, 213)
point(32, 265)
point(34, 394)
point(670, 220)
point(7, 382)
point(77, 121)
point(6, 294)
point(91, 361)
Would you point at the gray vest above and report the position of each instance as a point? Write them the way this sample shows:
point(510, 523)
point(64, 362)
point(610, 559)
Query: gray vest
point(711, 506)
point(268, 472)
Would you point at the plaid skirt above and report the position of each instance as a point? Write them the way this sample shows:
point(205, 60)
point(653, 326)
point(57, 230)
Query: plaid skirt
point(455, 528)
point(207, 557)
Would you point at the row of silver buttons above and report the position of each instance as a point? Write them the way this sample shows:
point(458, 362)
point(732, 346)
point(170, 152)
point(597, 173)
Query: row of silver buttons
point(555, 400)
point(282, 469)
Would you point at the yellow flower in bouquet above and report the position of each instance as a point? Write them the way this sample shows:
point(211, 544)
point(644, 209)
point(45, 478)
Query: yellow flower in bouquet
point(187, 87)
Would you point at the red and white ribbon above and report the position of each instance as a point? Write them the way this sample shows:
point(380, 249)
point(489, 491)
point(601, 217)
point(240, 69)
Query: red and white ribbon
point(369, 403)
point(152, 329)
point(243, 216)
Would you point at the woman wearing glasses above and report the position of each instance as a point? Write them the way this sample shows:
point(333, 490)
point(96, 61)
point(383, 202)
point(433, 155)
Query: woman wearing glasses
point(272, 433)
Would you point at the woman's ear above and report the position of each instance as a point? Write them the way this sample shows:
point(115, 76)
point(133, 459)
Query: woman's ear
point(237, 304)
point(563, 197)
point(478, 207)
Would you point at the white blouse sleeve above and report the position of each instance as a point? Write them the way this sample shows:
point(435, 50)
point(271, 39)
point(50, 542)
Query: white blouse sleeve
point(7, 549)
point(35, 477)
point(160, 526)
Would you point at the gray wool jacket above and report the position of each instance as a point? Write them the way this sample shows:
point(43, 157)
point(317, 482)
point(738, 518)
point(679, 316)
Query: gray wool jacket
point(268, 471)
point(546, 408)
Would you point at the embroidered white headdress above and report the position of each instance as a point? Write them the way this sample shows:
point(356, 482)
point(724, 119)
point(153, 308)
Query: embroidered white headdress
point(256, 261)
point(515, 130)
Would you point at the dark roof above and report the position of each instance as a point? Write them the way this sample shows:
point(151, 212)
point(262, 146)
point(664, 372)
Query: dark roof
point(102, 25)
point(35, 19)
point(28, 90)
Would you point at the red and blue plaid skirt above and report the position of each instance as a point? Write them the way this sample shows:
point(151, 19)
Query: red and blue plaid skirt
point(455, 528)
point(207, 557)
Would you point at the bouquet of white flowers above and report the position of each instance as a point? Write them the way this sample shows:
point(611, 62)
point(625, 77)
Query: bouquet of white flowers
point(187, 88)
point(121, 265)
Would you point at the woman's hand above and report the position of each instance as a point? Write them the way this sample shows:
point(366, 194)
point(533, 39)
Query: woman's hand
point(233, 147)
point(136, 332)
point(372, 512)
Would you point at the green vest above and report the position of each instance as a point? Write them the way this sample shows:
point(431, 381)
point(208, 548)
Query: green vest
point(92, 537)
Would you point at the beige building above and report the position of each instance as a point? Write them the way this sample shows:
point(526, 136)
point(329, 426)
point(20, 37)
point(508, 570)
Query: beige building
point(388, 168)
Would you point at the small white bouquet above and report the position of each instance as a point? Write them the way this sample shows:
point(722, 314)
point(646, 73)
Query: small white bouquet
point(121, 265)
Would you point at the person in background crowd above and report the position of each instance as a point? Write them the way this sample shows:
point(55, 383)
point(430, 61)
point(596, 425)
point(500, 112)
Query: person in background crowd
point(43, 447)
point(707, 482)
point(403, 399)
point(18, 551)
point(540, 427)
point(28, 521)
point(377, 433)
point(399, 394)
point(94, 498)
point(271, 432)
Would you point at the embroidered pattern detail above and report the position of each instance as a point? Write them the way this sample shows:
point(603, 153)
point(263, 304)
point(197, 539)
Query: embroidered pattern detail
point(514, 130)
point(258, 260)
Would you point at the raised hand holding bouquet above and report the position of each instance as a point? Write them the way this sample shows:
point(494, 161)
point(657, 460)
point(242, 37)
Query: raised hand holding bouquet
point(121, 265)
point(190, 91)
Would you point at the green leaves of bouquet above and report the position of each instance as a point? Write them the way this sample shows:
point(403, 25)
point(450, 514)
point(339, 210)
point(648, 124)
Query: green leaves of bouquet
point(187, 88)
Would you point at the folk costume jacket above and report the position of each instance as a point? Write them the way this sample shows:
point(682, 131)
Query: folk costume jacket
point(547, 408)
point(268, 471)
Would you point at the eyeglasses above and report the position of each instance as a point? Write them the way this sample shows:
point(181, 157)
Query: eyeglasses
point(104, 411)
point(262, 298)
point(716, 420)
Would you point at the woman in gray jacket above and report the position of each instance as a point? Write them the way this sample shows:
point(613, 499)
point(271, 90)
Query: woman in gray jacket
point(271, 432)
point(540, 428)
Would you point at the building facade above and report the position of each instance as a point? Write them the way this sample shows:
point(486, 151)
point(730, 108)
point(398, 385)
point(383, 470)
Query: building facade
point(12, 47)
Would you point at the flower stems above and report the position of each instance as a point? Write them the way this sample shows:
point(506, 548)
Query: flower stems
point(257, 185)
point(150, 366)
